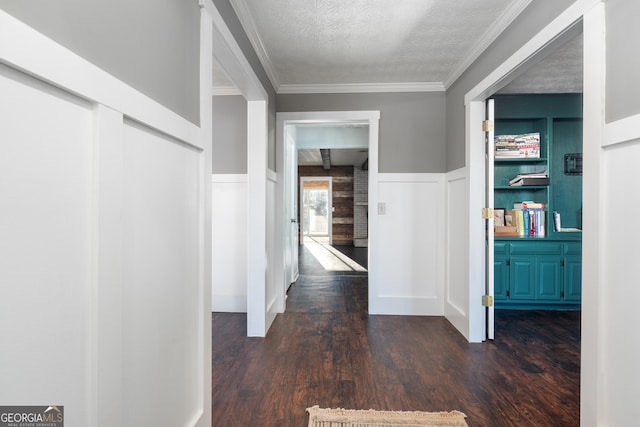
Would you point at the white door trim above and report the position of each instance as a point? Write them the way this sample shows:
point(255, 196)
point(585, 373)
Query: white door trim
point(371, 118)
point(231, 59)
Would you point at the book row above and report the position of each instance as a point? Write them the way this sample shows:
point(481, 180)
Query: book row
point(525, 222)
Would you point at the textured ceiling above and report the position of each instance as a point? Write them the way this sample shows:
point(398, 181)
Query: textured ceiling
point(560, 72)
point(339, 42)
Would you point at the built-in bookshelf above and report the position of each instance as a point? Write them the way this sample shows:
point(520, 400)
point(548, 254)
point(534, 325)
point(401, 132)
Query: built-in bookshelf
point(558, 120)
point(541, 272)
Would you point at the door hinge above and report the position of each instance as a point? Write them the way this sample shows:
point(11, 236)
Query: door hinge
point(487, 213)
point(487, 301)
point(487, 125)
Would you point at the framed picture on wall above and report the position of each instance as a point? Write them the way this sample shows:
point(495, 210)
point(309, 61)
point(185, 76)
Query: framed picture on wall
point(498, 217)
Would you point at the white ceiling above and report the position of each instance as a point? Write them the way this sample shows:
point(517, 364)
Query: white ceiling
point(311, 45)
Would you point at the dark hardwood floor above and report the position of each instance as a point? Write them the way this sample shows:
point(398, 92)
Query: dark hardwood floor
point(326, 350)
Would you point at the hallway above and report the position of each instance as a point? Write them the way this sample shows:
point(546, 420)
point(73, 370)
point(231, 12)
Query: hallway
point(326, 350)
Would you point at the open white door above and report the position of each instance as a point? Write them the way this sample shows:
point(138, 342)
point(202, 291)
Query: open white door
point(291, 208)
point(489, 291)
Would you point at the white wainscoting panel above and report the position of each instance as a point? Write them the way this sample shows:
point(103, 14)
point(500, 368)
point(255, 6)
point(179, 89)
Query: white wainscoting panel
point(229, 268)
point(160, 292)
point(45, 245)
point(456, 300)
point(619, 288)
point(411, 243)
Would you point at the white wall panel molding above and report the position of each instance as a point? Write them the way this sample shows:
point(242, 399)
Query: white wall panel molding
point(229, 253)
point(47, 60)
point(410, 214)
point(229, 178)
point(107, 286)
point(621, 131)
point(456, 300)
point(48, 307)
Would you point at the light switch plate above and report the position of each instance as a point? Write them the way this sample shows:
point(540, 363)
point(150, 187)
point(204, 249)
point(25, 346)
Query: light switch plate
point(382, 208)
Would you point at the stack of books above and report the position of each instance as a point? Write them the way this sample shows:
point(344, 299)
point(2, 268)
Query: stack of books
point(517, 146)
point(526, 219)
point(525, 179)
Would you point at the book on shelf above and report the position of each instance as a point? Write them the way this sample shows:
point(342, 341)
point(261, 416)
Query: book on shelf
point(523, 182)
point(557, 225)
point(534, 178)
point(517, 146)
point(530, 205)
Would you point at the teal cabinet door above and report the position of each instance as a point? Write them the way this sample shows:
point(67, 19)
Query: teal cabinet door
point(572, 272)
point(573, 278)
point(522, 278)
point(548, 277)
point(500, 272)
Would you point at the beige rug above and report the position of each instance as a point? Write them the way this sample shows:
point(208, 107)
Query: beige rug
point(319, 417)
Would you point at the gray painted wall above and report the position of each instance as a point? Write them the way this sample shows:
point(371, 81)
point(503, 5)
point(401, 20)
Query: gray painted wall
point(412, 125)
point(536, 16)
point(152, 45)
point(229, 134)
point(623, 62)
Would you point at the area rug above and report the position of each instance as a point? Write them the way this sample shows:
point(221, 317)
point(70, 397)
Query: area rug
point(319, 417)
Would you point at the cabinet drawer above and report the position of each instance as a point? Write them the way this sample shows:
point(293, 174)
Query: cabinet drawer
point(546, 248)
point(500, 248)
point(574, 248)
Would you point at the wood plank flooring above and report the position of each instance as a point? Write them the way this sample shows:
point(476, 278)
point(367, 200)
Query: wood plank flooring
point(326, 350)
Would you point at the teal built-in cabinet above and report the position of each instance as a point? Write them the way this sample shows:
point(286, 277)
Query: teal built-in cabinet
point(541, 272)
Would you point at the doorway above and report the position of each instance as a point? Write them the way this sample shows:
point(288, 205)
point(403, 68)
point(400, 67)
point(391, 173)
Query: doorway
point(316, 206)
point(287, 128)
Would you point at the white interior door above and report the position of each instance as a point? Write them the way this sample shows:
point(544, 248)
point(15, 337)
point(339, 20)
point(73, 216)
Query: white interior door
point(489, 134)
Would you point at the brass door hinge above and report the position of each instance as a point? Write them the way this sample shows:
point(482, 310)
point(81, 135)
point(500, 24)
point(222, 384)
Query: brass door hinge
point(487, 213)
point(487, 301)
point(487, 125)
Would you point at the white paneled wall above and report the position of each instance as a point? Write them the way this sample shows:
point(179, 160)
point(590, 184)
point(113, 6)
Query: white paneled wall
point(45, 245)
point(103, 206)
point(411, 244)
point(456, 299)
point(160, 292)
point(619, 295)
point(229, 268)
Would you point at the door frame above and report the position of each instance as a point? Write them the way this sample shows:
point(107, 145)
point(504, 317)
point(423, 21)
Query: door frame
point(591, 13)
point(291, 119)
point(329, 180)
point(231, 59)
point(565, 26)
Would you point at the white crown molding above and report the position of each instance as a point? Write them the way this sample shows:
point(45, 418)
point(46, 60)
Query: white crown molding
point(503, 21)
point(225, 91)
point(362, 88)
point(249, 24)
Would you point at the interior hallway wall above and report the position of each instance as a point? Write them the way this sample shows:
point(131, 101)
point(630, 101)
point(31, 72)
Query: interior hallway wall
point(130, 40)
